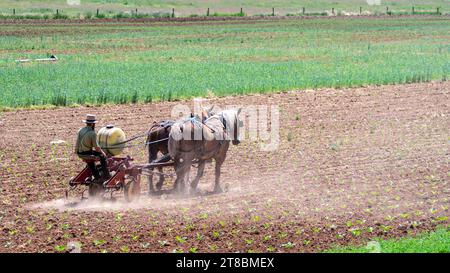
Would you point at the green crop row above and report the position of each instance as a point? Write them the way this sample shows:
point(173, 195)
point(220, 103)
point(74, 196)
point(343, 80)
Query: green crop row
point(114, 63)
point(431, 242)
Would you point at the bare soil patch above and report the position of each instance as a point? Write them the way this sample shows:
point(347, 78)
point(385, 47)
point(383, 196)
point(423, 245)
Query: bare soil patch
point(352, 164)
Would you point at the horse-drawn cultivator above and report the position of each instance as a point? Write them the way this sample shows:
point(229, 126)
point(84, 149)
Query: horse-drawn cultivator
point(125, 176)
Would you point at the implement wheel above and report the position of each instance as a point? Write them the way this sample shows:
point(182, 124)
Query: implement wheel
point(132, 189)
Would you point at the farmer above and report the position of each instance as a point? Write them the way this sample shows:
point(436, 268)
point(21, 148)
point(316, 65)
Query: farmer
point(87, 145)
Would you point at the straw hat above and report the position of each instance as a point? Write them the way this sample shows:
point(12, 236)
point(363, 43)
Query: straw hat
point(90, 119)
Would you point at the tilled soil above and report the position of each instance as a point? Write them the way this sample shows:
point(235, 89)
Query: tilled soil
point(200, 20)
point(352, 164)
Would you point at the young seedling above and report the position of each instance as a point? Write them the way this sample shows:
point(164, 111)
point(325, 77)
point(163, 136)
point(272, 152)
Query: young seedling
point(290, 136)
point(124, 249)
point(199, 237)
point(355, 231)
point(12, 232)
point(99, 242)
point(288, 245)
point(270, 249)
point(190, 227)
point(316, 229)
point(441, 219)
point(216, 235)
point(177, 250)
point(235, 232)
point(193, 250)
point(119, 217)
point(385, 229)
point(30, 229)
point(163, 243)
point(256, 218)
point(60, 248)
point(213, 247)
point(180, 239)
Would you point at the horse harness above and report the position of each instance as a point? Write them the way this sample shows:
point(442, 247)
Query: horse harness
point(195, 120)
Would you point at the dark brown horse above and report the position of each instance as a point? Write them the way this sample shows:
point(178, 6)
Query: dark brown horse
point(157, 141)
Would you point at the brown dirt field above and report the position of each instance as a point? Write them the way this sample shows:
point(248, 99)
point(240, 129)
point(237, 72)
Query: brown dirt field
point(352, 164)
point(201, 20)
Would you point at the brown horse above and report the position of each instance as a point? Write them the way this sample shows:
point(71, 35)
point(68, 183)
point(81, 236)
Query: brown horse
point(215, 136)
point(157, 142)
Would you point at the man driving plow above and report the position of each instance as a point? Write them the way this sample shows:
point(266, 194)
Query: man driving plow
point(87, 146)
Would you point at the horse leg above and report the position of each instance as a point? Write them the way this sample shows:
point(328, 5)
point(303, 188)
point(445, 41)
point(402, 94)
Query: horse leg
point(220, 158)
point(161, 179)
point(217, 188)
point(201, 169)
point(152, 155)
point(151, 190)
point(177, 168)
point(182, 171)
point(164, 158)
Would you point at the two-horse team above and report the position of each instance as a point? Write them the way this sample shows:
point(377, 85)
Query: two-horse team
point(194, 139)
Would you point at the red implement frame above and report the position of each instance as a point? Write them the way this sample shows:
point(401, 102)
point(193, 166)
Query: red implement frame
point(116, 165)
point(120, 169)
point(124, 176)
